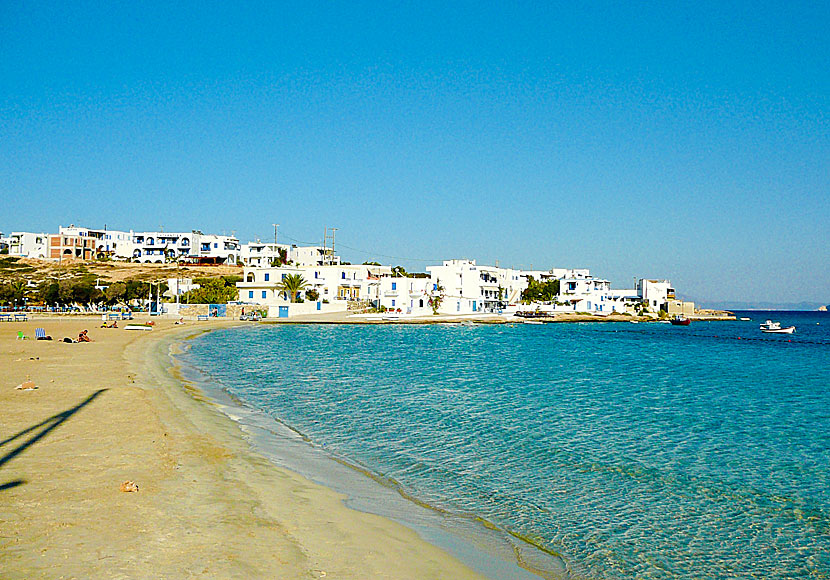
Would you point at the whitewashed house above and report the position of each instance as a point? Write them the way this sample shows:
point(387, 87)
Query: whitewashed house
point(407, 294)
point(586, 294)
point(158, 247)
point(655, 293)
point(467, 288)
point(579, 291)
point(26, 244)
point(265, 255)
point(336, 285)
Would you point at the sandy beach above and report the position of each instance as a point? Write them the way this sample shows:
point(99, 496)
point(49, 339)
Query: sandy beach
point(110, 411)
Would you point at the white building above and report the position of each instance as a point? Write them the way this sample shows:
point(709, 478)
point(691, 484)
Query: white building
point(115, 244)
point(265, 255)
point(655, 293)
point(179, 286)
point(26, 244)
point(579, 291)
point(337, 283)
point(159, 247)
point(468, 288)
point(407, 294)
point(587, 294)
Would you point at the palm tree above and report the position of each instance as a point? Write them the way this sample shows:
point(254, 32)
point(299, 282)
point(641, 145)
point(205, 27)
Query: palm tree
point(292, 285)
point(18, 291)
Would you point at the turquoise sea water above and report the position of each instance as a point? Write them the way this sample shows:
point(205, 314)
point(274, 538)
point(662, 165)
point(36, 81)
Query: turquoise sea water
point(646, 451)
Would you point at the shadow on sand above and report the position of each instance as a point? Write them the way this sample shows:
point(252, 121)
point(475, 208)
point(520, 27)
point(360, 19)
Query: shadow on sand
point(38, 432)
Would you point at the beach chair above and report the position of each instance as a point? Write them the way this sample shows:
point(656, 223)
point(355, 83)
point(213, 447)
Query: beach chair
point(20, 317)
point(5, 317)
point(40, 334)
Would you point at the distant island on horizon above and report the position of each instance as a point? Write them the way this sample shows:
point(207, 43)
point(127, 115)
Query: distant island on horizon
point(806, 306)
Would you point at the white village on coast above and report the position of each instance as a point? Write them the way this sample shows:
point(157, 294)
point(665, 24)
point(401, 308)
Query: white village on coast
point(286, 281)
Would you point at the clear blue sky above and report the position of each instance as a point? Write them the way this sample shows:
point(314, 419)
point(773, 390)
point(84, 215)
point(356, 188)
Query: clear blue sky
point(688, 141)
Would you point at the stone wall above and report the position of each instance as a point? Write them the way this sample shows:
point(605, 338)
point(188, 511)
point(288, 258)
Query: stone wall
point(234, 311)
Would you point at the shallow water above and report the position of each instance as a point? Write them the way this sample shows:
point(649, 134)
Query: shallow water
point(645, 450)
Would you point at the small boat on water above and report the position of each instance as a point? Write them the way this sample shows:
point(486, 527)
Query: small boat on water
point(771, 327)
point(681, 321)
point(744, 318)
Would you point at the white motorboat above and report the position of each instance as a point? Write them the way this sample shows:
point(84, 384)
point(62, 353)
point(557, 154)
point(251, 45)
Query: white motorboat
point(771, 327)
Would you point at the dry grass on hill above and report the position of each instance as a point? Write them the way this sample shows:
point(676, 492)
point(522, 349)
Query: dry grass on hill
point(39, 270)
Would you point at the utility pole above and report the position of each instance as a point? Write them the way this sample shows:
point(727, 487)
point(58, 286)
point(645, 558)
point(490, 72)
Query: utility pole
point(328, 257)
point(276, 258)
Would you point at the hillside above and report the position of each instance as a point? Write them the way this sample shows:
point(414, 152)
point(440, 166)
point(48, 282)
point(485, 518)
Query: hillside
point(36, 271)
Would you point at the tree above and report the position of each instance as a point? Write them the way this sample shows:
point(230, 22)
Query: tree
point(282, 258)
point(540, 291)
point(115, 292)
point(66, 291)
point(312, 295)
point(47, 292)
point(292, 285)
point(211, 291)
point(398, 272)
point(5, 293)
point(18, 290)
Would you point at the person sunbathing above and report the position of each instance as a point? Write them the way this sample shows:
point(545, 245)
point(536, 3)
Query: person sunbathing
point(84, 337)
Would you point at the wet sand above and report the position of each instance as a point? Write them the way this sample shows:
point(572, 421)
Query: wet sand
point(207, 506)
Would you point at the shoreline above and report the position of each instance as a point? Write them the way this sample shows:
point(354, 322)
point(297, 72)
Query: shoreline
point(557, 318)
point(208, 503)
point(483, 546)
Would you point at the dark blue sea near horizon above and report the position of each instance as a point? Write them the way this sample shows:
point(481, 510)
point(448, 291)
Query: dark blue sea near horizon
point(633, 451)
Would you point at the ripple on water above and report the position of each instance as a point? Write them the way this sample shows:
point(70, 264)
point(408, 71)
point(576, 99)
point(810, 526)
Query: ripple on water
point(633, 451)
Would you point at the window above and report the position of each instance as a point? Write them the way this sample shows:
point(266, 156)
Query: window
point(435, 287)
point(393, 303)
point(250, 294)
point(343, 275)
point(394, 286)
point(264, 293)
point(267, 276)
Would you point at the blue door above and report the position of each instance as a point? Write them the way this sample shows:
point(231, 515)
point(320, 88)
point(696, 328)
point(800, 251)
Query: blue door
point(319, 304)
point(283, 311)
